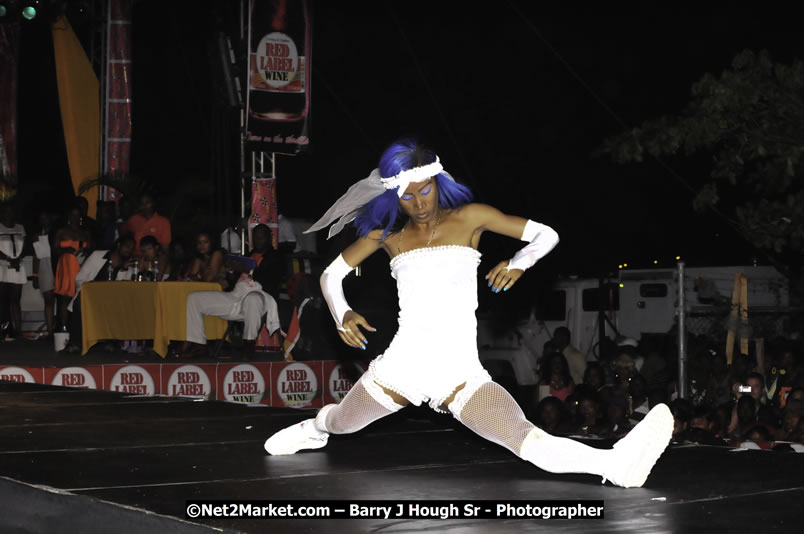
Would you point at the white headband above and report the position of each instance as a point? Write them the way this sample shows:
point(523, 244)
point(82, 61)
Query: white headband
point(345, 208)
point(416, 174)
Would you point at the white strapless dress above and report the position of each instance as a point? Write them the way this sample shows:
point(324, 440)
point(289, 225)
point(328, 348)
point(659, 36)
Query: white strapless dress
point(435, 347)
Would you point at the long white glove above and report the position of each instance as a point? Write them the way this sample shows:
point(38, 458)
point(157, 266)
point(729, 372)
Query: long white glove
point(332, 288)
point(541, 239)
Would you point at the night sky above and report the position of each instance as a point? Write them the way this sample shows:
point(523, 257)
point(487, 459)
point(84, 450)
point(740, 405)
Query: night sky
point(513, 99)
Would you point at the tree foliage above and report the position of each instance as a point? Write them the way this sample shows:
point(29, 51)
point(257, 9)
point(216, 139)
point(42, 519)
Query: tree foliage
point(750, 121)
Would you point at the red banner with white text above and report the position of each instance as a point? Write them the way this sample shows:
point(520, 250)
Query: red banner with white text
point(286, 384)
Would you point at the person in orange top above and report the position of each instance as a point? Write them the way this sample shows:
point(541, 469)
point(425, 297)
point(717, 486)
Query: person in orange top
point(69, 242)
point(147, 222)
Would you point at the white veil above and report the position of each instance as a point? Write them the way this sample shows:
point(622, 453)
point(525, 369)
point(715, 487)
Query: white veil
point(361, 193)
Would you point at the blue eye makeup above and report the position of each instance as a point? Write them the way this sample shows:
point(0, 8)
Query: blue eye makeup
point(422, 192)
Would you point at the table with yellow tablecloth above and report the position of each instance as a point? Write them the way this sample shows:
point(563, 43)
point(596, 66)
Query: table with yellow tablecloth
point(142, 310)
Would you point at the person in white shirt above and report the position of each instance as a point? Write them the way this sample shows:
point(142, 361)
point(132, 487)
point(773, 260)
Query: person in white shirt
point(12, 272)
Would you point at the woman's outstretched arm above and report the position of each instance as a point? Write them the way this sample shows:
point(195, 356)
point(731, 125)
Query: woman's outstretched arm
point(347, 320)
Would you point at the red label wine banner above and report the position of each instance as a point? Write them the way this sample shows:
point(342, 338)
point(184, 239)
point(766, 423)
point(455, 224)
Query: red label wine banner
point(278, 100)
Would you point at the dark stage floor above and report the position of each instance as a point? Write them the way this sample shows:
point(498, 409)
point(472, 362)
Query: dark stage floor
point(155, 453)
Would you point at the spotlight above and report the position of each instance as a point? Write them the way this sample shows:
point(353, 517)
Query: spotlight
point(10, 10)
point(29, 10)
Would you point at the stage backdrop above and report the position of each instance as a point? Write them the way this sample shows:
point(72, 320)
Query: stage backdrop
point(278, 98)
point(79, 101)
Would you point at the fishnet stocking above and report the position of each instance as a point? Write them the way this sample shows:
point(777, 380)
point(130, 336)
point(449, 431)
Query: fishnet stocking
point(356, 411)
point(493, 414)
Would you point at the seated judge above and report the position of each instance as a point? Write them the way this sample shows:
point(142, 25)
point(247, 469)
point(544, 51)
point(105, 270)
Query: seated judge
point(101, 265)
point(248, 301)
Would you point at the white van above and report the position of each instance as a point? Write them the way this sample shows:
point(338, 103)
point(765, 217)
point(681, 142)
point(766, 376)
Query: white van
point(635, 302)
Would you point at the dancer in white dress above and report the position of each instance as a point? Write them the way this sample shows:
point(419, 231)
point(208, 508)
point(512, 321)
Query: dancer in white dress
point(433, 356)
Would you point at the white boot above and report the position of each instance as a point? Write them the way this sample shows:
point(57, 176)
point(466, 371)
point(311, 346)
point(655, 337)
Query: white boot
point(635, 454)
point(627, 464)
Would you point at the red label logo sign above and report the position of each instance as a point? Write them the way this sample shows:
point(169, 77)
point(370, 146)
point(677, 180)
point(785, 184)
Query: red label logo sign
point(133, 379)
point(189, 381)
point(76, 377)
point(16, 374)
point(296, 385)
point(340, 380)
point(244, 383)
point(277, 60)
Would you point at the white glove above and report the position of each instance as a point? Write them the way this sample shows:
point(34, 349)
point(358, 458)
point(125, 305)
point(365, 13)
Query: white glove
point(541, 239)
point(332, 288)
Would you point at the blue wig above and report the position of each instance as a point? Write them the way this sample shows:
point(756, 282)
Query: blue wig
point(383, 210)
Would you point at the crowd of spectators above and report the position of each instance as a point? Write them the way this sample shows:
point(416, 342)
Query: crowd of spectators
point(759, 397)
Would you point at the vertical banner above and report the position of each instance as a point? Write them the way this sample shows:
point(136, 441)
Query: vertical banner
point(79, 101)
point(9, 51)
point(263, 207)
point(278, 98)
point(117, 144)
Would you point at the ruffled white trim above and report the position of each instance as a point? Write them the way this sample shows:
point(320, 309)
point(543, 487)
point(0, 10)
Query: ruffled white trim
point(374, 387)
point(473, 383)
point(434, 250)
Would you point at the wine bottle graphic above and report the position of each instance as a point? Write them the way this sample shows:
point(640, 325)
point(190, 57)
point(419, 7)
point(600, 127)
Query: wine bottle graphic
point(278, 74)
